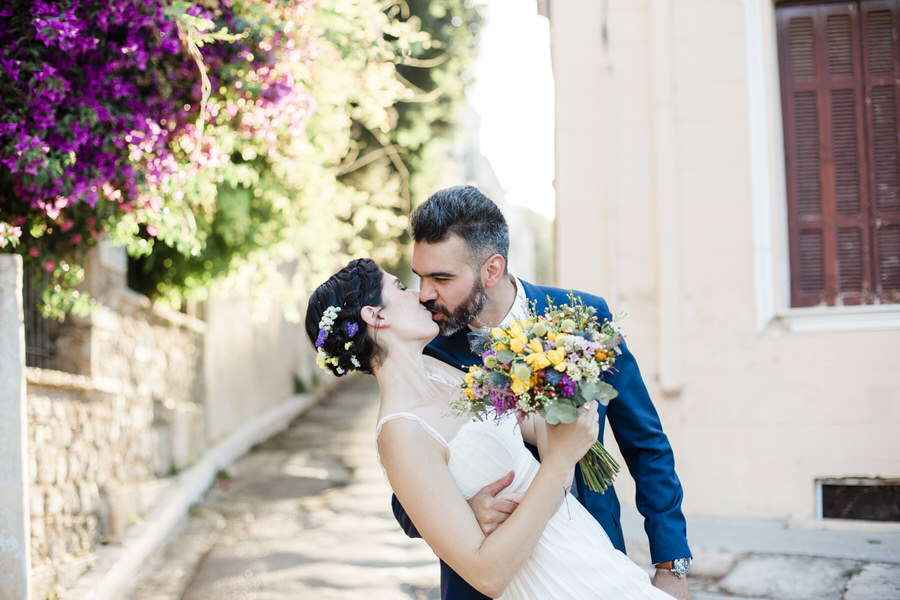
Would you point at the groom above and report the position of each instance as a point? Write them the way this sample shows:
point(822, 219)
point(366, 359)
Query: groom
point(460, 255)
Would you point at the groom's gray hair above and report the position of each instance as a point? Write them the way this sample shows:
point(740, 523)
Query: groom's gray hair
point(463, 210)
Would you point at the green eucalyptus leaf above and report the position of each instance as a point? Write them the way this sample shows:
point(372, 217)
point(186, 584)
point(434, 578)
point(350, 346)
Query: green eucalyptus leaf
point(557, 412)
point(504, 356)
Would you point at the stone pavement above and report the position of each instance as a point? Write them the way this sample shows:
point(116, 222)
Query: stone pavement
point(306, 515)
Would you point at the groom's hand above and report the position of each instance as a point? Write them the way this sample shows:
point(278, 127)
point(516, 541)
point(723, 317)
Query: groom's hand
point(491, 507)
point(672, 585)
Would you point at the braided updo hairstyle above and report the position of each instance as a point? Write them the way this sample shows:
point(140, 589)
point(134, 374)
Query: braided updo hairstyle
point(347, 341)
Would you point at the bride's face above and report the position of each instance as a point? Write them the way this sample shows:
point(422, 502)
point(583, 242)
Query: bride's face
point(403, 310)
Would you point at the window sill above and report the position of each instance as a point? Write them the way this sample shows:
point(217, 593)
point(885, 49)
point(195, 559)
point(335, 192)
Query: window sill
point(823, 319)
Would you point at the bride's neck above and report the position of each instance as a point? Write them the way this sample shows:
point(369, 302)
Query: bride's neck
point(402, 378)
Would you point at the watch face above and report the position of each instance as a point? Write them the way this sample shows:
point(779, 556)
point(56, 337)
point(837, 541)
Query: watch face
point(680, 566)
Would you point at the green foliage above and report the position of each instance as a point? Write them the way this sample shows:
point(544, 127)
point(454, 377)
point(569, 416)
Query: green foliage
point(387, 84)
point(402, 166)
point(307, 130)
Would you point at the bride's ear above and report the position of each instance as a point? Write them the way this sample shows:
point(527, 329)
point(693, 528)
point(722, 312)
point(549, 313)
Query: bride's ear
point(372, 317)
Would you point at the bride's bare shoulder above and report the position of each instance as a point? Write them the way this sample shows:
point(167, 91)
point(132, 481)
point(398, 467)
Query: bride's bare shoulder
point(405, 435)
point(448, 371)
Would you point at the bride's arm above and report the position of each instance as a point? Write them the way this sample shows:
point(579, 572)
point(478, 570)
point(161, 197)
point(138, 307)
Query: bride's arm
point(418, 474)
point(539, 431)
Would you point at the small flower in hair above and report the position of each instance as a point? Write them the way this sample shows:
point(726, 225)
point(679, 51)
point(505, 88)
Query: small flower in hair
point(323, 359)
point(328, 318)
point(352, 328)
point(325, 324)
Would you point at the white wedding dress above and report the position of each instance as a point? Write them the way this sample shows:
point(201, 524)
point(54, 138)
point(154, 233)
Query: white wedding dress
point(574, 557)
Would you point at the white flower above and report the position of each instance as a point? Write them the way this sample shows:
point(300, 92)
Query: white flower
point(573, 371)
point(589, 369)
point(328, 318)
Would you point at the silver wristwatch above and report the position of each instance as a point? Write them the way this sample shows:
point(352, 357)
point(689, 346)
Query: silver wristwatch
point(679, 567)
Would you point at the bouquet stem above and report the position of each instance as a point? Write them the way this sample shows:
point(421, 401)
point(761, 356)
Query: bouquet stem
point(598, 468)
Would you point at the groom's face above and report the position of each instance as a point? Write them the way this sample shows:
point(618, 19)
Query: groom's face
point(449, 287)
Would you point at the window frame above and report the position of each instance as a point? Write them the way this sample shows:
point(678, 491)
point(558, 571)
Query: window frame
point(768, 189)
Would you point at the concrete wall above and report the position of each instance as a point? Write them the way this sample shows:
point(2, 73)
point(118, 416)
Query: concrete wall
point(669, 172)
point(15, 534)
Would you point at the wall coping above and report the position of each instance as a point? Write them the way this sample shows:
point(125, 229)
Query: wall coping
point(70, 381)
point(134, 300)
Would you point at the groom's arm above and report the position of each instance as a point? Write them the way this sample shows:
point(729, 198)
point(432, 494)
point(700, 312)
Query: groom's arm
point(648, 454)
point(490, 506)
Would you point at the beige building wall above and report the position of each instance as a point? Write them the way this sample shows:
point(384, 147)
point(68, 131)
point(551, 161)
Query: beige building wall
point(254, 356)
point(671, 205)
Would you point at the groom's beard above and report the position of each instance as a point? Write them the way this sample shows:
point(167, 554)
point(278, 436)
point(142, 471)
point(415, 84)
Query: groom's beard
point(470, 308)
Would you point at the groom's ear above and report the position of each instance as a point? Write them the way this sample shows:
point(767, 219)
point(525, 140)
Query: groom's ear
point(372, 316)
point(492, 271)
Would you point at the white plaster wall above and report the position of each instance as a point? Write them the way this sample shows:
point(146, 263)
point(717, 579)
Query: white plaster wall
point(250, 359)
point(654, 147)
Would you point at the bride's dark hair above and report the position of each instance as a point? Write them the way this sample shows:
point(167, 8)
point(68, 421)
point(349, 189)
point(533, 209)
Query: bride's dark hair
point(344, 344)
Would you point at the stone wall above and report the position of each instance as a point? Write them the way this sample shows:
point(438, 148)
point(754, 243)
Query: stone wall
point(134, 393)
point(103, 439)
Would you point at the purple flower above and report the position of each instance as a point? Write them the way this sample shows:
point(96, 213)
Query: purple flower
point(568, 386)
point(352, 328)
point(10, 67)
point(320, 341)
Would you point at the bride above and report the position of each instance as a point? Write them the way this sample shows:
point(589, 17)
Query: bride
point(363, 319)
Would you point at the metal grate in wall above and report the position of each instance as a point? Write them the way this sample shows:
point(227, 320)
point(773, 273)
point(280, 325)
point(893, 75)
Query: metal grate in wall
point(37, 332)
point(861, 499)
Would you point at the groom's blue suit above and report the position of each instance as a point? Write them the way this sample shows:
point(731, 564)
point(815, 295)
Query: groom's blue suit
point(640, 437)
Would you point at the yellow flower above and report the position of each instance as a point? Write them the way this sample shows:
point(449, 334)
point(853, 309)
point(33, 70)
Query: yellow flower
point(556, 356)
point(518, 386)
point(538, 360)
point(517, 344)
point(551, 335)
point(501, 346)
point(515, 330)
point(535, 345)
point(469, 393)
point(497, 333)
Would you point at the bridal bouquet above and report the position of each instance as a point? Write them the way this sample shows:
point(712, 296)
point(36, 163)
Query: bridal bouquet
point(549, 364)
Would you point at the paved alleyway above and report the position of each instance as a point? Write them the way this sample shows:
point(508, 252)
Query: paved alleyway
point(307, 515)
point(304, 515)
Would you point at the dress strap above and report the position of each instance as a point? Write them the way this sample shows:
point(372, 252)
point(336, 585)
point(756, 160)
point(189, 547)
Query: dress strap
point(412, 417)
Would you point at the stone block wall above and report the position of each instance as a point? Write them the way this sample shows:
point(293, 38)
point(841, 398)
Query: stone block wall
point(102, 439)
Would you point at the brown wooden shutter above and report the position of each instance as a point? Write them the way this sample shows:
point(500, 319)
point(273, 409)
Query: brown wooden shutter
point(825, 153)
point(840, 63)
point(880, 21)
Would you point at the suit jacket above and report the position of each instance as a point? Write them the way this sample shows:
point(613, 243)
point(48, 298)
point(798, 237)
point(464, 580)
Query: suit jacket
point(638, 432)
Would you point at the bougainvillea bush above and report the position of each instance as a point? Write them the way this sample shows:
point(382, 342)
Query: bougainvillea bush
point(204, 137)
